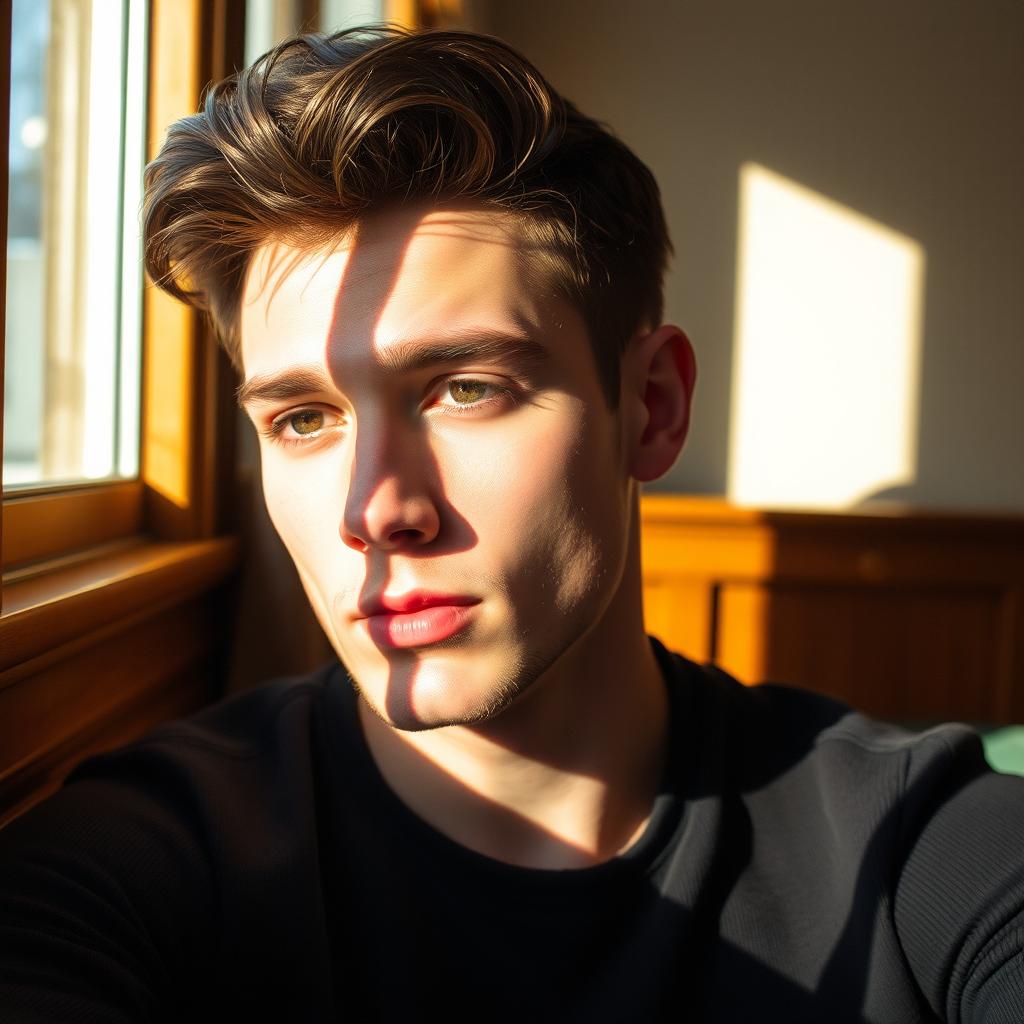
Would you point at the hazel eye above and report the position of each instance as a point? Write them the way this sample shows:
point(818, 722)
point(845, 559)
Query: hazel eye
point(466, 392)
point(308, 421)
point(305, 428)
point(470, 396)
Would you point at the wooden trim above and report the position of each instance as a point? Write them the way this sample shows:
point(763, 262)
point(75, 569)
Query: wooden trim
point(424, 14)
point(186, 434)
point(45, 615)
point(225, 30)
point(876, 547)
point(120, 685)
point(895, 517)
point(170, 329)
point(5, 115)
point(52, 523)
point(402, 12)
point(309, 15)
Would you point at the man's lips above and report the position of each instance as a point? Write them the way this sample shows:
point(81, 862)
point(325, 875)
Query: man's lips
point(417, 618)
point(413, 601)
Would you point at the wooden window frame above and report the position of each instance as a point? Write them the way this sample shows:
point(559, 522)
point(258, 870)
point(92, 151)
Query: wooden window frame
point(93, 571)
point(179, 494)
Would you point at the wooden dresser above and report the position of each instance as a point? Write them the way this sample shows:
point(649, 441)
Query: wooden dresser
point(909, 616)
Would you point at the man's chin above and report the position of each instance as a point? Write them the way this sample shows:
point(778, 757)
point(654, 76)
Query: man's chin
point(409, 711)
point(417, 698)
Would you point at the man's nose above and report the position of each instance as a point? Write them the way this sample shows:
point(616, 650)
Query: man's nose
point(390, 501)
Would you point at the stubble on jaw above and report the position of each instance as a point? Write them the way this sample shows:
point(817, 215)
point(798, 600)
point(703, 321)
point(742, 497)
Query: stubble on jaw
point(505, 692)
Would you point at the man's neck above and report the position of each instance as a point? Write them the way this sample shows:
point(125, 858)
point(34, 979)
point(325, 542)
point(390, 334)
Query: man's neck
point(565, 776)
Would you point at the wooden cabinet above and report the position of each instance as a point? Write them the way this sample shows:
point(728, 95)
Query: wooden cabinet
point(910, 616)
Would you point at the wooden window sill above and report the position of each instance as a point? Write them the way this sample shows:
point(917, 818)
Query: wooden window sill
point(43, 524)
point(47, 609)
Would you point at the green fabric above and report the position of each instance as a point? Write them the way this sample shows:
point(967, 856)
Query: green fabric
point(1004, 749)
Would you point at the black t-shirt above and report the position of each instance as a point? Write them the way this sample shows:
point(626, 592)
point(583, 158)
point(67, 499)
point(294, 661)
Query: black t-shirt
point(801, 863)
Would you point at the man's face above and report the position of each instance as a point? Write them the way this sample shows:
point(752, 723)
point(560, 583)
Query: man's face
point(438, 458)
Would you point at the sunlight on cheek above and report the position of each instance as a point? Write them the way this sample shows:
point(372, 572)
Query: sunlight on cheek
point(515, 478)
point(301, 506)
point(287, 512)
point(581, 555)
point(539, 498)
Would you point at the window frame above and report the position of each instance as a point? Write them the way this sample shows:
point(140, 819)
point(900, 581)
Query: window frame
point(176, 496)
point(104, 584)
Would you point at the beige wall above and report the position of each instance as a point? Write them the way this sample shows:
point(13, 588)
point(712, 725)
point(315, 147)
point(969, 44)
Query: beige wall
point(910, 113)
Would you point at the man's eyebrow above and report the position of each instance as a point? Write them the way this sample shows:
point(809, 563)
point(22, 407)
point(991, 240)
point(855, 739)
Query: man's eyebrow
point(294, 382)
point(486, 346)
point(402, 357)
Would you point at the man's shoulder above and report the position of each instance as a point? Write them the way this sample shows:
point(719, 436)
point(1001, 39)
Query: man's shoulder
point(871, 865)
point(245, 723)
point(164, 858)
point(242, 767)
point(772, 737)
point(248, 723)
point(250, 740)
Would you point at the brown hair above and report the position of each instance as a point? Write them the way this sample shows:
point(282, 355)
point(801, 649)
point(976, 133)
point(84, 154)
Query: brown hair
point(324, 129)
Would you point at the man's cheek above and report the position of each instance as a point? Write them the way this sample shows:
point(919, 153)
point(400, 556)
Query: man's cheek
point(297, 514)
point(519, 464)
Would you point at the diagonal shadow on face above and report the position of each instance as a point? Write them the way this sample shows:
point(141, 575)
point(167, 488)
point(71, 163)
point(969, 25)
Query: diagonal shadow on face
point(402, 459)
point(382, 455)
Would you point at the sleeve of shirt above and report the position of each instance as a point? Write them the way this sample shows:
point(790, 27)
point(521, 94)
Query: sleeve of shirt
point(959, 900)
point(105, 906)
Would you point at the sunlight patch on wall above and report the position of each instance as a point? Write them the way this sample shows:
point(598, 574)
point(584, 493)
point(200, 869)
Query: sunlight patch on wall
point(827, 352)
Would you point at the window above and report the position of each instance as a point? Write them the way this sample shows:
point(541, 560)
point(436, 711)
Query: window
point(118, 408)
point(73, 324)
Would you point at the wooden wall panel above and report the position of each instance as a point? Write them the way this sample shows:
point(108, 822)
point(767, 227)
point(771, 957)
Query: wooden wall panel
point(895, 653)
point(679, 613)
point(910, 616)
point(741, 632)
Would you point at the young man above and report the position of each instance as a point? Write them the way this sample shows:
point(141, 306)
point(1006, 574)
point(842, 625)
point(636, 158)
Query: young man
point(442, 287)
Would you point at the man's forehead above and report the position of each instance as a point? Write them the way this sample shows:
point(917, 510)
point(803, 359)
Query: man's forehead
point(397, 276)
point(382, 244)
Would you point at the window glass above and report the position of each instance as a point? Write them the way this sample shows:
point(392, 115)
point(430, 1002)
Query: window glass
point(72, 350)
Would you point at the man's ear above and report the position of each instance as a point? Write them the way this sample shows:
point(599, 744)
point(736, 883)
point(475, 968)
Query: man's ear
point(659, 373)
